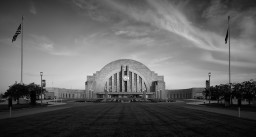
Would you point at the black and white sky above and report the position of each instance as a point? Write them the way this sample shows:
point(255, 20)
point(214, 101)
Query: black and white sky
point(182, 40)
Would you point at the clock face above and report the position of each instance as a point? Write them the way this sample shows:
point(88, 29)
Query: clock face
point(125, 78)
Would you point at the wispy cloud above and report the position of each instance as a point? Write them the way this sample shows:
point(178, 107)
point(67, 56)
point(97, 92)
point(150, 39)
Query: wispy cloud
point(234, 63)
point(95, 10)
point(32, 8)
point(160, 61)
point(164, 15)
point(131, 33)
point(146, 41)
point(46, 45)
point(7, 42)
point(216, 8)
point(180, 39)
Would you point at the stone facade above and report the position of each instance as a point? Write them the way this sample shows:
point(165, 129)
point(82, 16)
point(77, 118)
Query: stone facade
point(49, 95)
point(66, 93)
point(185, 93)
point(125, 78)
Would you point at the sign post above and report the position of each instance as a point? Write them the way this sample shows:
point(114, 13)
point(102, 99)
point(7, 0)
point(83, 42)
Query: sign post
point(207, 83)
point(43, 83)
point(10, 105)
point(239, 104)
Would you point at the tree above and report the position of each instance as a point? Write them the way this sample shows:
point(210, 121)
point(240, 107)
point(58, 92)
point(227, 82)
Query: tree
point(217, 93)
point(248, 90)
point(244, 90)
point(254, 89)
point(237, 92)
point(16, 91)
point(34, 90)
point(206, 93)
point(225, 93)
point(20, 90)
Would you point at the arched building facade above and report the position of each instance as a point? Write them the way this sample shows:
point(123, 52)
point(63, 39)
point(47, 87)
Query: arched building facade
point(125, 78)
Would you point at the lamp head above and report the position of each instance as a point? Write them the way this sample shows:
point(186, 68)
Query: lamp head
point(41, 73)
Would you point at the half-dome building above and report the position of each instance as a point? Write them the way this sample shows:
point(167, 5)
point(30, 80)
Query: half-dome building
point(125, 78)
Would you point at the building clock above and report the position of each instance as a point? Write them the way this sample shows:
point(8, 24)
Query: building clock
point(125, 78)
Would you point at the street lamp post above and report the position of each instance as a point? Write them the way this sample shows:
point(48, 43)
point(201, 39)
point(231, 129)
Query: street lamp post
point(209, 74)
point(41, 74)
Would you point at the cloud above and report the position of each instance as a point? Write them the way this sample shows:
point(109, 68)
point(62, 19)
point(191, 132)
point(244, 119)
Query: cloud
point(198, 45)
point(146, 41)
point(90, 8)
point(165, 16)
point(96, 10)
point(32, 8)
point(247, 25)
point(160, 61)
point(234, 63)
point(216, 8)
point(85, 4)
point(7, 42)
point(46, 45)
point(131, 33)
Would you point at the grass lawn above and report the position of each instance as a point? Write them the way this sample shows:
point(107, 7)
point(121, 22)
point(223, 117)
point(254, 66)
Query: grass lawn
point(4, 107)
point(233, 107)
point(128, 119)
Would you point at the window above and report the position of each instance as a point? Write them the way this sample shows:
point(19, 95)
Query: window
point(110, 84)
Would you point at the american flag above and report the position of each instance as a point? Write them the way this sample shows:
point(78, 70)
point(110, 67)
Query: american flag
point(226, 38)
point(17, 33)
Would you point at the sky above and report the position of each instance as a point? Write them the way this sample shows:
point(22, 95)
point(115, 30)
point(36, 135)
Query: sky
point(182, 40)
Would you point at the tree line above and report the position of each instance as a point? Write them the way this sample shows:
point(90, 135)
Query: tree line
point(18, 90)
point(240, 91)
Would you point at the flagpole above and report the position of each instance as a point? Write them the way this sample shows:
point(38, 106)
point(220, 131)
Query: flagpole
point(21, 81)
point(229, 57)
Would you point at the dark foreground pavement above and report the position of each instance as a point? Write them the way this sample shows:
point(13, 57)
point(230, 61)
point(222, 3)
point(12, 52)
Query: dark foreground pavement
point(128, 119)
